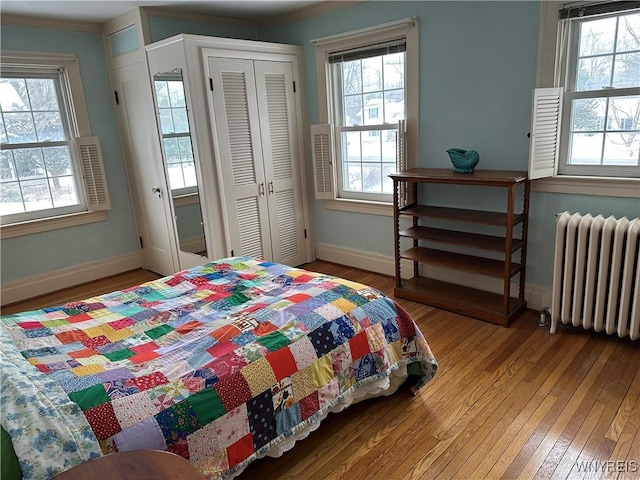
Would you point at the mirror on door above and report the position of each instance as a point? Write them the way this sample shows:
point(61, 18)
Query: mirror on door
point(179, 161)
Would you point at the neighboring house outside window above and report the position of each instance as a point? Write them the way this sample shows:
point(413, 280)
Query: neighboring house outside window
point(367, 84)
point(597, 75)
point(49, 167)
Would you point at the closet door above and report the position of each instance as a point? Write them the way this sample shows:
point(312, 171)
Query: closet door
point(144, 168)
point(237, 128)
point(279, 133)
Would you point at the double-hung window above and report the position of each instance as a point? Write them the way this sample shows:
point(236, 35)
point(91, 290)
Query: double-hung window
point(176, 137)
point(48, 166)
point(597, 77)
point(368, 93)
point(369, 101)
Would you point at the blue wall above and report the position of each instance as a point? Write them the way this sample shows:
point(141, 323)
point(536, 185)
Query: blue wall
point(44, 252)
point(36, 254)
point(477, 72)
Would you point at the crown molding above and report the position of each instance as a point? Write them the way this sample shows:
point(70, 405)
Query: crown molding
point(166, 12)
point(54, 23)
point(307, 12)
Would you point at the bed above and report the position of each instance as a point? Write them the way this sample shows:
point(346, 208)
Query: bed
point(222, 364)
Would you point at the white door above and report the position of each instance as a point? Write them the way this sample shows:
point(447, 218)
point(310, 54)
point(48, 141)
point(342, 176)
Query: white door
point(145, 170)
point(279, 132)
point(235, 112)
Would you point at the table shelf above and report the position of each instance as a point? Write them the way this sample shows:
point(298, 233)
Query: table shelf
point(429, 242)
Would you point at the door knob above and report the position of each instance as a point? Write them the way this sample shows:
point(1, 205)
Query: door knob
point(270, 187)
point(156, 190)
point(261, 189)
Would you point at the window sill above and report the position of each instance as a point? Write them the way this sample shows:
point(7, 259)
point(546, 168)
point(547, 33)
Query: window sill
point(599, 186)
point(360, 206)
point(51, 223)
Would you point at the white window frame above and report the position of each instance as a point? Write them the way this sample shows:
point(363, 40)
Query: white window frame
point(190, 190)
point(549, 71)
point(407, 29)
point(80, 126)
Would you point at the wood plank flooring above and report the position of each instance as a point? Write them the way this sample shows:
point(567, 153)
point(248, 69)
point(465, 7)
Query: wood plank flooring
point(506, 403)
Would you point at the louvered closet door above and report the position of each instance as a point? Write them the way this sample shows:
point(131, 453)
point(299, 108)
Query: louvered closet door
point(279, 129)
point(238, 133)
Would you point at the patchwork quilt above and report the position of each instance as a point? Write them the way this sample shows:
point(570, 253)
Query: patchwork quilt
point(218, 364)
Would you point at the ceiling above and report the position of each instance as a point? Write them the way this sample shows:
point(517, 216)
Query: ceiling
point(99, 11)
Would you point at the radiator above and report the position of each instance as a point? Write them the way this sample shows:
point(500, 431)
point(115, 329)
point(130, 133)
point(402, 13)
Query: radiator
point(596, 277)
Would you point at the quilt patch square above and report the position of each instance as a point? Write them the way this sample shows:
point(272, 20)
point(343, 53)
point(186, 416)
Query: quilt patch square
point(322, 371)
point(133, 409)
point(282, 394)
point(144, 435)
point(203, 443)
point(309, 405)
point(303, 383)
point(328, 392)
point(282, 363)
point(240, 450)
point(119, 388)
point(365, 367)
point(262, 421)
point(322, 340)
point(287, 419)
point(71, 336)
point(233, 390)
point(342, 330)
point(177, 422)
point(103, 421)
point(311, 320)
point(359, 345)
point(90, 397)
point(207, 405)
point(259, 376)
point(303, 352)
point(232, 427)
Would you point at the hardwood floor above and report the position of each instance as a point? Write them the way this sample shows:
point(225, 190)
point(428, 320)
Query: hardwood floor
point(506, 403)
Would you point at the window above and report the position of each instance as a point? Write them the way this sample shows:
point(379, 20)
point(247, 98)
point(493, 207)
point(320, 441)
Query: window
point(43, 159)
point(597, 70)
point(364, 83)
point(176, 139)
point(601, 134)
point(368, 83)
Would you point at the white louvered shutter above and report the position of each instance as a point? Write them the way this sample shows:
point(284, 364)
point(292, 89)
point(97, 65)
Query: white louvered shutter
point(93, 174)
point(238, 132)
point(279, 133)
point(545, 132)
point(322, 154)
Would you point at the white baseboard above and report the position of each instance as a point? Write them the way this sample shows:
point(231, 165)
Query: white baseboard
point(67, 277)
point(537, 297)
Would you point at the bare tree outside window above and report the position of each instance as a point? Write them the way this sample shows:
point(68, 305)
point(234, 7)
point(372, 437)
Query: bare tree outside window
point(605, 130)
point(370, 103)
point(36, 169)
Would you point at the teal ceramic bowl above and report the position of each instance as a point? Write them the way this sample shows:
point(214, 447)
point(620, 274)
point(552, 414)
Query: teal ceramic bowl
point(464, 161)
